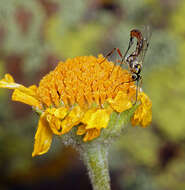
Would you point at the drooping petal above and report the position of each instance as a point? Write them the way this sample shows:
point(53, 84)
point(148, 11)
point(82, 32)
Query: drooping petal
point(54, 117)
point(88, 114)
point(61, 112)
point(143, 114)
point(43, 137)
point(93, 120)
point(134, 121)
point(121, 102)
point(147, 119)
point(81, 130)
point(98, 119)
point(55, 124)
point(91, 134)
point(72, 119)
point(25, 98)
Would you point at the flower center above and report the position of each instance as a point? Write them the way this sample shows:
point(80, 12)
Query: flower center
point(84, 80)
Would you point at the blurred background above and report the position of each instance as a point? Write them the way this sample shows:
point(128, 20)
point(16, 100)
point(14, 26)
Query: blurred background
point(35, 35)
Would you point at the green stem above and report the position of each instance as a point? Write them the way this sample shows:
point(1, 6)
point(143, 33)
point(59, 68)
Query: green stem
point(95, 157)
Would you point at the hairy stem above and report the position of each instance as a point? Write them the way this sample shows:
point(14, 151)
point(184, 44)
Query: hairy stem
point(95, 157)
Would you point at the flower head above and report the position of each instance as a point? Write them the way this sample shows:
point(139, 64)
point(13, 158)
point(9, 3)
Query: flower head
point(79, 93)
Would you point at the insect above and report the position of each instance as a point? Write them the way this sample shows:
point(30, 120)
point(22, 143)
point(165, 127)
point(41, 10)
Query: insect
point(136, 58)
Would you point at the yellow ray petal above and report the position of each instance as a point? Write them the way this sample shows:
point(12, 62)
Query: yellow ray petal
point(8, 82)
point(61, 112)
point(88, 114)
point(81, 130)
point(121, 102)
point(30, 90)
point(43, 137)
point(147, 119)
point(91, 134)
point(33, 88)
point(25, 98)
point(73, 118)
point(55, 124)
point(54, 117)
point(134, 122)
point(50, 111)
point(8, 78)
point(143, 114)
point(98, 119)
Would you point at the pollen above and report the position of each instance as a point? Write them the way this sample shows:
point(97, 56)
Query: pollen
point(83, 80)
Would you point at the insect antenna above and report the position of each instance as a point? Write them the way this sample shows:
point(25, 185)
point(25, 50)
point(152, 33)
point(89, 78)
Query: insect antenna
point(131, 42)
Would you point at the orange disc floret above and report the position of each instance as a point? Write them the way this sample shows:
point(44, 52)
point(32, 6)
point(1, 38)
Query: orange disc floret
point(84, 80)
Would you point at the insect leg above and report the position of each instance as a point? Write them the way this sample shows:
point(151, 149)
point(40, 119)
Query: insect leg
point(137, 87)
point(111, 52)
point(125, 82)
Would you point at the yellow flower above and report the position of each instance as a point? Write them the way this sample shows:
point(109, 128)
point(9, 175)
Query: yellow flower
point(79, 93)
point(121, 102)
point(93, 120)
point(143, 114)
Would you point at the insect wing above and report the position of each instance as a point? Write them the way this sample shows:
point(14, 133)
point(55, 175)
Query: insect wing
point(146, 38)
